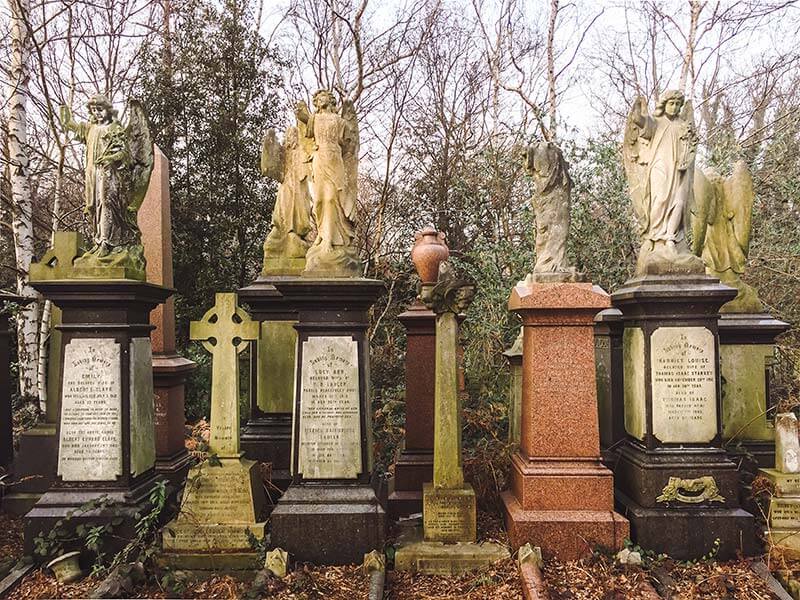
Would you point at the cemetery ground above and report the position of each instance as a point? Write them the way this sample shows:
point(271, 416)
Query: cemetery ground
point(599, 577)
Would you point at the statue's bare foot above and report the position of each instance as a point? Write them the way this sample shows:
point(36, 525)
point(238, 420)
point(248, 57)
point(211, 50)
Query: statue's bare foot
point(105, 249)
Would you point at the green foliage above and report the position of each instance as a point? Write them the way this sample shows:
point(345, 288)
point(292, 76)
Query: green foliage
point(211, 98)
point(66, 536)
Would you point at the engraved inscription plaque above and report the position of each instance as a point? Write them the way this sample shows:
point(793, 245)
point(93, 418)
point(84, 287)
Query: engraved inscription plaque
point(330, 426)
point(683, 377)
point(448, 516)
point(90, 442)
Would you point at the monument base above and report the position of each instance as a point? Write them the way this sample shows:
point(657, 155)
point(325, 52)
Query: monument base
point(328, 524)
point(687, 533)
point(221, 503)
point(565, 534)
point(69, 506)
point(169, 378)
point(411, 470)
point(786, 484)
point(207, 565)
point(436, 558)
point(785, 540)
point(449, 514)
point(268, 439)
point(33, 468)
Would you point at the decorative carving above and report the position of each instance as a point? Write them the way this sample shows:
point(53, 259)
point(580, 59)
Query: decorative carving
point(451, 293)
point(702, 489)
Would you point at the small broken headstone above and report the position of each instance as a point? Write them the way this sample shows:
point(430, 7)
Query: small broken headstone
point(277, 562)
point(528, 553)
point(787, 446)
point(373, 561)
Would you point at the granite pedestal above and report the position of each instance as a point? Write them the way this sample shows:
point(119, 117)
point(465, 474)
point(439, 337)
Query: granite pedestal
point(676, 483)
point(330, 513)
point(561, 496)
point(413, 466)
point(106, 421)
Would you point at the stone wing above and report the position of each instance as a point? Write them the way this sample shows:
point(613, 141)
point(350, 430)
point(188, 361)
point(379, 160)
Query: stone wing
point(635, 172)
point(738, 198)
point(140, 144)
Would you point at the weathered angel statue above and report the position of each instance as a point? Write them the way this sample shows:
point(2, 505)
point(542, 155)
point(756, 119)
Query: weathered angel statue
point(288, 164)
point(721, 231)
point(119, 160)
point(551, 203)
point(334, 186)
point(658, 156)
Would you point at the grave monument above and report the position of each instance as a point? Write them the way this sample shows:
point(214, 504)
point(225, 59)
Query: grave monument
point(514, 357)
point(170, 370)
point(784, 504)
point(6, 413)
point(106, 442)
point(674, 480)
point(267, 436)
point(608, 366)
point(448, 504)
point(561, 496)
point(413, 465)
point(330, 513)
point(224, 495)
point(746, 332)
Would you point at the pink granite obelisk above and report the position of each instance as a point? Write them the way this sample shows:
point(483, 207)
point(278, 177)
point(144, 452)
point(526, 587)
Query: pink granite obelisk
point(169, 369)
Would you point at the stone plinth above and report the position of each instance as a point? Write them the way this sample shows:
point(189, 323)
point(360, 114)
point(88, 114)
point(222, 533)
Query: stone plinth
point(267, 436)
point(678, 487)
point(561, 497)
point(170, 370)
point(106, 447)
point(449, 514)
point(414, 463)
point(609, 367)
point(330, 513)
point(747, 355)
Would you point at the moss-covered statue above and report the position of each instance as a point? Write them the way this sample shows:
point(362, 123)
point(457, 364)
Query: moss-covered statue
point(119, 160)
point(721, 231)
point(658, 156)
point(334, 186)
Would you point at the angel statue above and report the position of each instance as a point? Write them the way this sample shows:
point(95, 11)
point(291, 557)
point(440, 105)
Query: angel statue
point(545, 162)
point(658, 156)
point(287, 242)
point(334, 186)
point(118, 163)
point(721, 231)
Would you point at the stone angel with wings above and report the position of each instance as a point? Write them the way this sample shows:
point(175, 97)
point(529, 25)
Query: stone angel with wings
point(118, 164)
point(659, 156)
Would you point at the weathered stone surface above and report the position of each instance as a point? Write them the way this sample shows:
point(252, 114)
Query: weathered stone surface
point(143, 444)
point(787, 446)
point(449, 514)
point(683, 377)
point(436, 558)
point(786, 484)
point(276, 358)
point(330, 429)
point(633, 361)
point(743, 369)
point(220, 503)
point(514, 357)
point(277, 562)
point(784, 513)
point(57, 262)
point(90, 447)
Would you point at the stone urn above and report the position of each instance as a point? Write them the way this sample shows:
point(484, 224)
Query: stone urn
point(428, 253)
point(66, 567)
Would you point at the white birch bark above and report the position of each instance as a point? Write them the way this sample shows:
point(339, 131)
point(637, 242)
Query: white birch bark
point(22, 203)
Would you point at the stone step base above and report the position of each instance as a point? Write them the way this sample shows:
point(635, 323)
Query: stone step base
point(435, 558)
point(565, 534)
point(688, 533)
point(210, 564)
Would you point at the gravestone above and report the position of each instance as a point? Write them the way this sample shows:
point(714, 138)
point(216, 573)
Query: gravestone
point(35, 463)
point(608, 365)
point(170, 370)
point(678, 486)
point(224, 495)
point(6, 413)
point(330, 513)
point(784, 505)
point(448, 504)
point(106, 440)
point(413, 464)
point(514, 357)
point(561, 497)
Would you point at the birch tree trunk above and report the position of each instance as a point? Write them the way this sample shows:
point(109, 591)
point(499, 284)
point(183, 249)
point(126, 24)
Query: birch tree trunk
point(22, 203)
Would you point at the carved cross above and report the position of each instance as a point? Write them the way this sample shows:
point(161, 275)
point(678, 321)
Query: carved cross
point(225, 331)
point(57, 261)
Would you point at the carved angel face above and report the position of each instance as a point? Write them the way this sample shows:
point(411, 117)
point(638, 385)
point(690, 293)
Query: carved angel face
point(99, 113)
point(673, 107)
